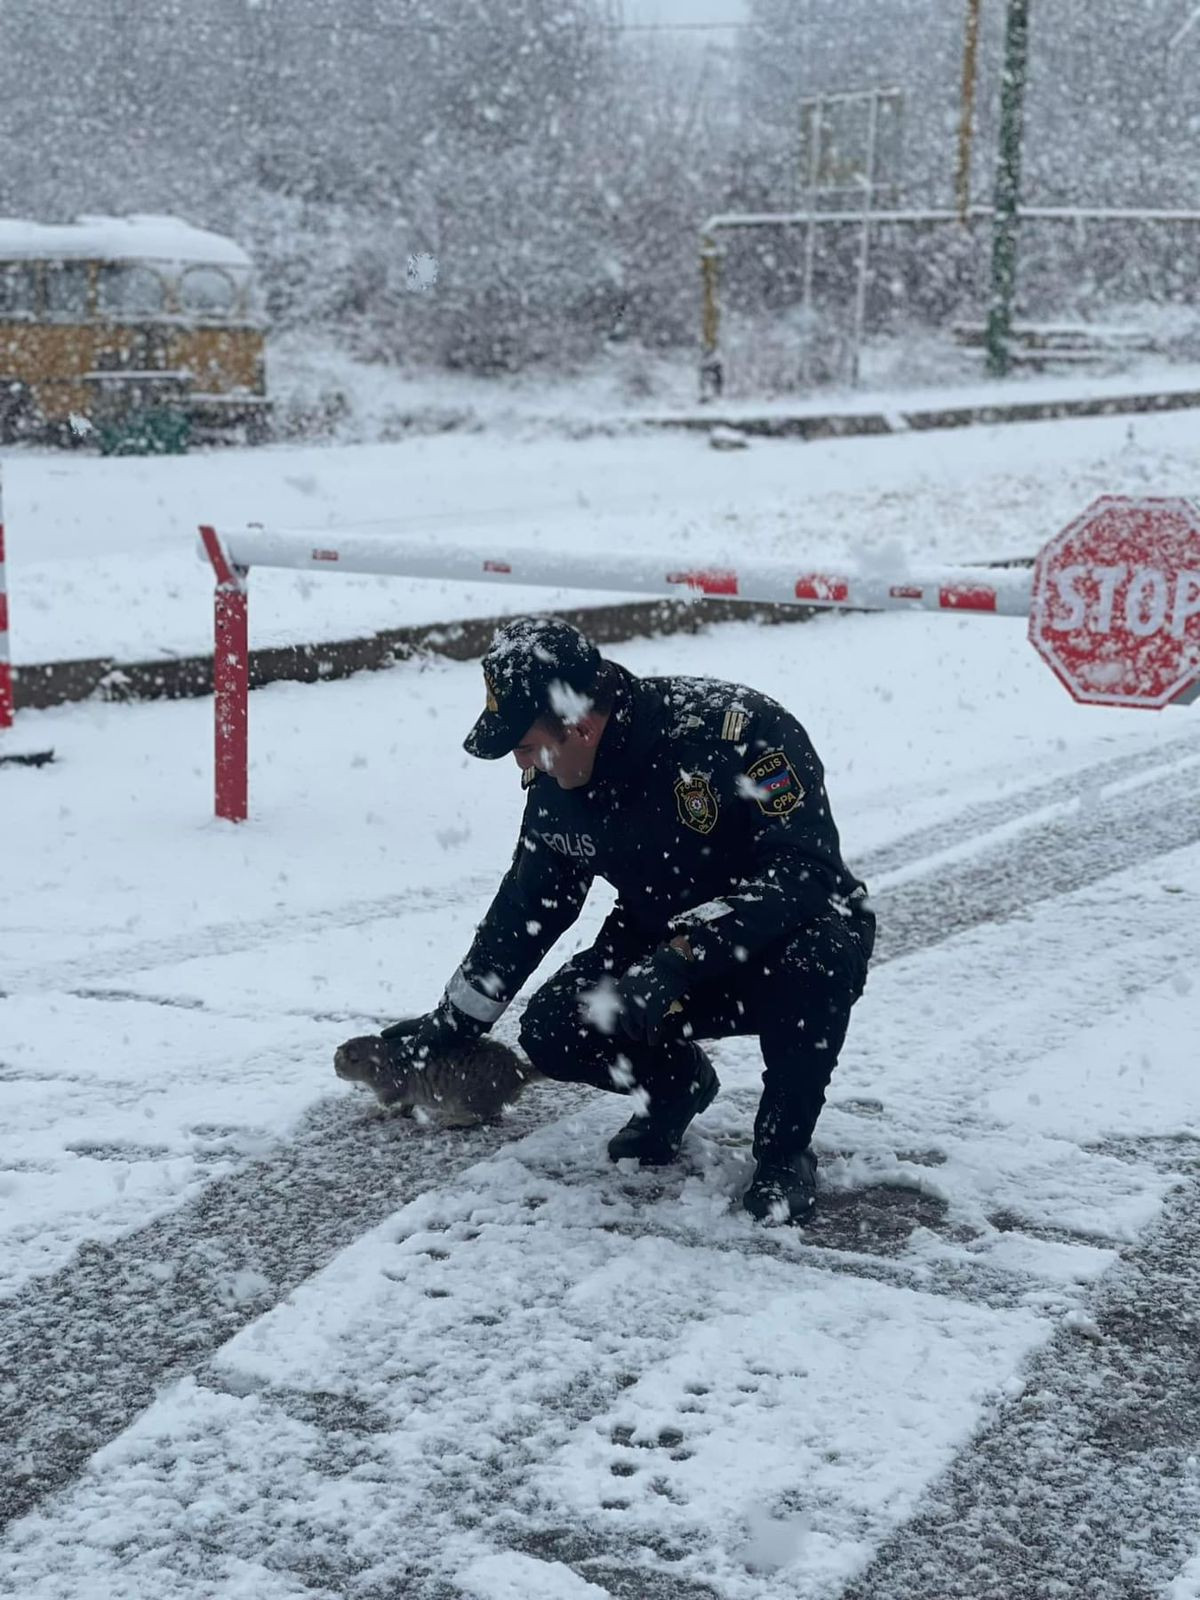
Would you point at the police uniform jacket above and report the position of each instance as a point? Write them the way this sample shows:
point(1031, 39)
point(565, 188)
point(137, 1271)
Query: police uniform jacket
point(706, 811)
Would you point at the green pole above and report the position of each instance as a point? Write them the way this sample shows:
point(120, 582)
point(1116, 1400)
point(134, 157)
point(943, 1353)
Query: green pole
point(1008, 187)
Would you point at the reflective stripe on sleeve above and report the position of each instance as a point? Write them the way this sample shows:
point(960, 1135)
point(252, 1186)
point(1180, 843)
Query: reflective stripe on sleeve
point(470, 1002)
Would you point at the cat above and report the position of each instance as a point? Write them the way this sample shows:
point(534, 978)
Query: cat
point(456, 1088)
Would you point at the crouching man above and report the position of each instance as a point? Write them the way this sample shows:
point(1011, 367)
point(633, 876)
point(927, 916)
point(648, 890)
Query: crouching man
point(703, 804)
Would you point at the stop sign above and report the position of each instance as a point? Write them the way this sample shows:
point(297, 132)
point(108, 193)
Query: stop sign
point(1116, 603)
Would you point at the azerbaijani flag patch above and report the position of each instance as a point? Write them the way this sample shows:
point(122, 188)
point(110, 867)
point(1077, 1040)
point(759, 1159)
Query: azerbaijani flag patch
point(776, 787)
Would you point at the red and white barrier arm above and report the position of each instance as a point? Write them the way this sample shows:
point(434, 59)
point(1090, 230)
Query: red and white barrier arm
point(1117, 617)
point(6, 679)
point(986, 590)
point(1001, 591)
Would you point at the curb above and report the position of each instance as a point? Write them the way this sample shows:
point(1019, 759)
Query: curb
point(54, 683)
point(859, 424)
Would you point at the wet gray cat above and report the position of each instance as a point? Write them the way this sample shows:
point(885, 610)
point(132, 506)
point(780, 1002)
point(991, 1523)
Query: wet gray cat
point(457, 1088)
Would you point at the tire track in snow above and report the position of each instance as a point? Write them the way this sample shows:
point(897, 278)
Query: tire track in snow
point(974, 822)
point(233, 938)
point(1086, 1486)
point(1057, 856)
point(970, 830)
point(83, 1352)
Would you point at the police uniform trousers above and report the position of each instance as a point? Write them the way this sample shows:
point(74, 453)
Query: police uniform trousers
point(795, 994)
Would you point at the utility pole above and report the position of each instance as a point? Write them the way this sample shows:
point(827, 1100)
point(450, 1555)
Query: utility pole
point(962, 176)
point(1008, 187)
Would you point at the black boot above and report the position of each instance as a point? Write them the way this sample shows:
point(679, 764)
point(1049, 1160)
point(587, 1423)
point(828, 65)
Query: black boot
point(654, 1139)
point(783, 1189)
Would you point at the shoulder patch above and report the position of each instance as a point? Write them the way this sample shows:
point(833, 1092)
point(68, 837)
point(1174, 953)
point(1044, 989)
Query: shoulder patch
point(776, 787)
point(734, 724)
point(698, 808)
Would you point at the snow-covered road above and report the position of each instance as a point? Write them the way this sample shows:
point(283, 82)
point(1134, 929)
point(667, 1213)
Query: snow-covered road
point(260, 1341)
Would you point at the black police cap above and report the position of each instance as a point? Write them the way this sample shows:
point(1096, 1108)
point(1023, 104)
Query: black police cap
point(533, 667)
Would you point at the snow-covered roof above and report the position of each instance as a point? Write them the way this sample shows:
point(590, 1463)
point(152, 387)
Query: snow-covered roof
point(134, 238)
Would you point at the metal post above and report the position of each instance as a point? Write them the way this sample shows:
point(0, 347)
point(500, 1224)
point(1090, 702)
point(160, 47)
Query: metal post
point(231, 681)
point(810, 233)
point(1008, 187)
point(962, 178)
point(712, 376)
point(860, 298)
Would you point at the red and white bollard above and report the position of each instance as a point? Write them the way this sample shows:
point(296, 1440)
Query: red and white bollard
point(6, 681)
point(10, 757)
point(231, 680)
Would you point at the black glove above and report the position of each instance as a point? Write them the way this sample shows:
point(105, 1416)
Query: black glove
point(650, 991)
point(443, 1028)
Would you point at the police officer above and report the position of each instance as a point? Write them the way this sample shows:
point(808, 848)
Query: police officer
point(703, 804)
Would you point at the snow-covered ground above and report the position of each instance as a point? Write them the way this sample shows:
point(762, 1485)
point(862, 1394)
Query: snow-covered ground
point(537, 1376)
point(102, 552)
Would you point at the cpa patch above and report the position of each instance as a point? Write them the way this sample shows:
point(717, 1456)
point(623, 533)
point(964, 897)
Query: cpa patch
point(697, 804)
point(776, 787)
